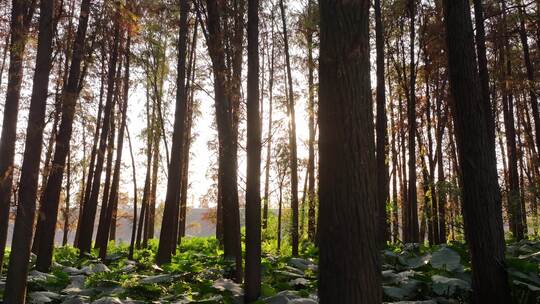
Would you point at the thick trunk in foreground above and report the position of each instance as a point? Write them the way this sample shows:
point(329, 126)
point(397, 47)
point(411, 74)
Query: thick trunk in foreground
point(21, 14)
point(15, 291)
point(54, 182)
point(253, 176)
point(349, 270)
point(482, 210)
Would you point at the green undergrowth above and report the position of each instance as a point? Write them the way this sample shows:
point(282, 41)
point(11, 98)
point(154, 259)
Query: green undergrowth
point(197, 273)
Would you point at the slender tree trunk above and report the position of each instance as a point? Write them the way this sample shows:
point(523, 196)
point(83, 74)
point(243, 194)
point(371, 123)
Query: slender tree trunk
point(311, 124)
point(134, 176)
point(478, 167)
point(280, 204)
point(15, 291)
point(530, 77)
point(270, 131)
point(54, 181)
point(153, 189)
point(514, 197)
point(292, 136)
point(21, 15)
point(91, 165)
point(113, 194)
point(107, 185)
point(348, 208)
point(412, 233)
point(403, 169)
point(67, 200)
point(480, 39)
point(190, 92)
point(89, 210)
point(395, 173)
point(167, 238)
point(381, 126)
point(47, 161)
point(253, 175)
point(441, 195)
point(143, 219)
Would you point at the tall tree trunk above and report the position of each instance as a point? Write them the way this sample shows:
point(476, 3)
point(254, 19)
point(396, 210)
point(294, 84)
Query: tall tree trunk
point(253, 175)
point(396, 176)
point(280, 204)
point(311, 124)
point(266, 199)
point(403, 169)
point(93, 152)
point(348, 208)
point(226, 134)
point(154, 182)
point(143, 219)
point(412, 229)
point(134, 175)
point(529, 67)
point(90, 206)
point(480, 39)
point(48, 156)
point(441, 194)
point(108, 175)
point(381, 126)
point(167, 237)
point(15, 291)
point(292, 136)
point(21, 15)
point(54, 181)
point(478, 166)
point(515, 213)
point(113, 194)
point(190, 89)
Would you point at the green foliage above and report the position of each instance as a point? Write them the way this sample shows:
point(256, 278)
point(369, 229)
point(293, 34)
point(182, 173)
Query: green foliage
point(60, 279)
point(411, 272)
point(67, 256)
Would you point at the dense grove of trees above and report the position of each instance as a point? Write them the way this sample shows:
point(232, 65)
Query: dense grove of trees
point(421, 125)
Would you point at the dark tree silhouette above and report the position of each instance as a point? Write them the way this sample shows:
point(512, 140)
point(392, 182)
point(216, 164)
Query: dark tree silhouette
point(21, 16)
point(22, 235)
point(253, 177)
point(478, 167)
point(167, 237)
point(54, 181)
point(349, 270)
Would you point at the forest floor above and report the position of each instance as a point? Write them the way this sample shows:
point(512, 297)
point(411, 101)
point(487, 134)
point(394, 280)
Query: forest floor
point(197, 274)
